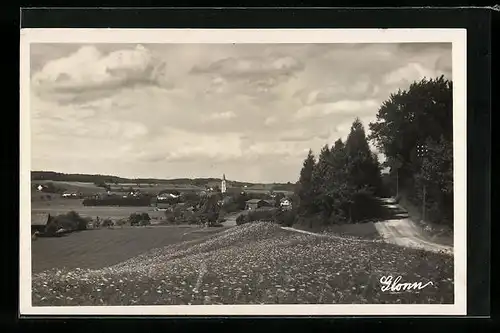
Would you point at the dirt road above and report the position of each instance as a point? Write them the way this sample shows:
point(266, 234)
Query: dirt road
point(402, 231)
point(231, 219)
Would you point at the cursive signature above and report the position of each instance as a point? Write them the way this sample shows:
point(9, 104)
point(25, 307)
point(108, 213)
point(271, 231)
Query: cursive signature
point(390, 284)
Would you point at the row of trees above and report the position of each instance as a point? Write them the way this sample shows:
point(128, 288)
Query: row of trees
point(344, 177)
point(414, 130)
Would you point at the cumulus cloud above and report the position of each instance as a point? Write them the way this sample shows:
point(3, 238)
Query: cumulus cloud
point(247, 67)
point(352, 107)
point(408, 74)
point(222, 116)
point(88, 71)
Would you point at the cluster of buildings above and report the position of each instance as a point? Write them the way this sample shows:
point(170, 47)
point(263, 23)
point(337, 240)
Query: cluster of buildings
point(253, 204)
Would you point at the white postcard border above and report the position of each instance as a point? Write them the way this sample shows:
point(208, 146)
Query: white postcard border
point(455, 36)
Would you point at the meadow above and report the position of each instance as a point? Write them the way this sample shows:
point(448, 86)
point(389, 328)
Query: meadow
point(104, 247)
point(256, 263)
point(62, 206)
point(91, 188)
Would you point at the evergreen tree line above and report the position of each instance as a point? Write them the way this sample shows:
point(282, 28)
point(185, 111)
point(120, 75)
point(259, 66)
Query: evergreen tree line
point(341, 184)
point(344, 177)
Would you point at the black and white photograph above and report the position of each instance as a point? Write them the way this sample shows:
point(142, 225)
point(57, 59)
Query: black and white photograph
point(285, 172)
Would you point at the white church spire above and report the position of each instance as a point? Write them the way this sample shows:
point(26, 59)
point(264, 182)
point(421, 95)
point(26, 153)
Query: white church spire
point(223, 187)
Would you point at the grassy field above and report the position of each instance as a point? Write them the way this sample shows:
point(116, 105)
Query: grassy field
point(62, 206)
point(104, 247)
point(90, 188)
point(255, 263)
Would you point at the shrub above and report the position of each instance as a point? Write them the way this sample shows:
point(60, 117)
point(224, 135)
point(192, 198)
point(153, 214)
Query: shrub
point(107, 223)
point(286, 218)
point(121, 222)
point(134, 218)
point(51, 228)
point(145, 217)
point(145, 222)
point(262, 215)
point(70, 221)
point(81, 223)
point(193, 219)
point(241, 220)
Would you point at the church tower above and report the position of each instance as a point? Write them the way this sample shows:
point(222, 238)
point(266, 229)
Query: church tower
point(223, 187)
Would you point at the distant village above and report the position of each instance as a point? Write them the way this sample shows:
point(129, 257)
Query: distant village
point(166, 199)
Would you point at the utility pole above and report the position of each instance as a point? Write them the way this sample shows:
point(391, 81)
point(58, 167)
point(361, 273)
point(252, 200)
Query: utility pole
point(397, 183)
point(422, 154)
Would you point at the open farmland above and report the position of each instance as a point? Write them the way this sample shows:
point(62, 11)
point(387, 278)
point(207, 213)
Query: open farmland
point(91, 188)
point(104, 247)
point(253, 264)
point(62, 206)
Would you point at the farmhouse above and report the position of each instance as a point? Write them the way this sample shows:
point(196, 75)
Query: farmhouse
point(286, 203)
point(253, 204)
point(167, 196)
point(39, 222)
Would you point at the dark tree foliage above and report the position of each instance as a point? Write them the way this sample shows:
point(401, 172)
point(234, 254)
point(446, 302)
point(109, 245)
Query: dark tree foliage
point(321, 181)
point(342, 185)
point(304, 188)
point(423, 114)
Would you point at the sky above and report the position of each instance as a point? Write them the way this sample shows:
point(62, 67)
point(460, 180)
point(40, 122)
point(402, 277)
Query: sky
point(250, 111)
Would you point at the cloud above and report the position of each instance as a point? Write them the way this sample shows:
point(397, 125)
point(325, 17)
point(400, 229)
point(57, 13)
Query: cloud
point(336, 91)
point(408, 74)
point(247, 67)
point(254, 76)
point(351, 107)
point(222, 116)
point(88, 74)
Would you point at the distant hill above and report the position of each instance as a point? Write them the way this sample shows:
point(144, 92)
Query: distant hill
point(108, 179)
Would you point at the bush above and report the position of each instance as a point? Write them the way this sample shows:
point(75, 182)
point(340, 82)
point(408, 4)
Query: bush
point(70, 221)
point(145, 222)
point(286, 218)
point(51, 228)
point(81, 223)
point(262, 215)
point(121, 222)
point(107, 223)
point(241, 220)
point(138, 218)
point(145, 217)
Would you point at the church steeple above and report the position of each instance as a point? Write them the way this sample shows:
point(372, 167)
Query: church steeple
point(223, 187)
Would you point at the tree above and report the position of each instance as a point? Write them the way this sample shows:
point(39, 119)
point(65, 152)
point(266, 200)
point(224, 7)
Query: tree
point(304, 189)
point(321, 178)
point(339, 190)
point(421, 115)
point(364, 170)
point(436, 174)
point(278, 198)
point(209, 211)
point(424, 111)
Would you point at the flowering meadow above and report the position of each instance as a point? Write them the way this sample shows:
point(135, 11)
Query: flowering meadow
point(256, 263)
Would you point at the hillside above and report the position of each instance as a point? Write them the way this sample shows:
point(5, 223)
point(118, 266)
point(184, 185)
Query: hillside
point(254, 264)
